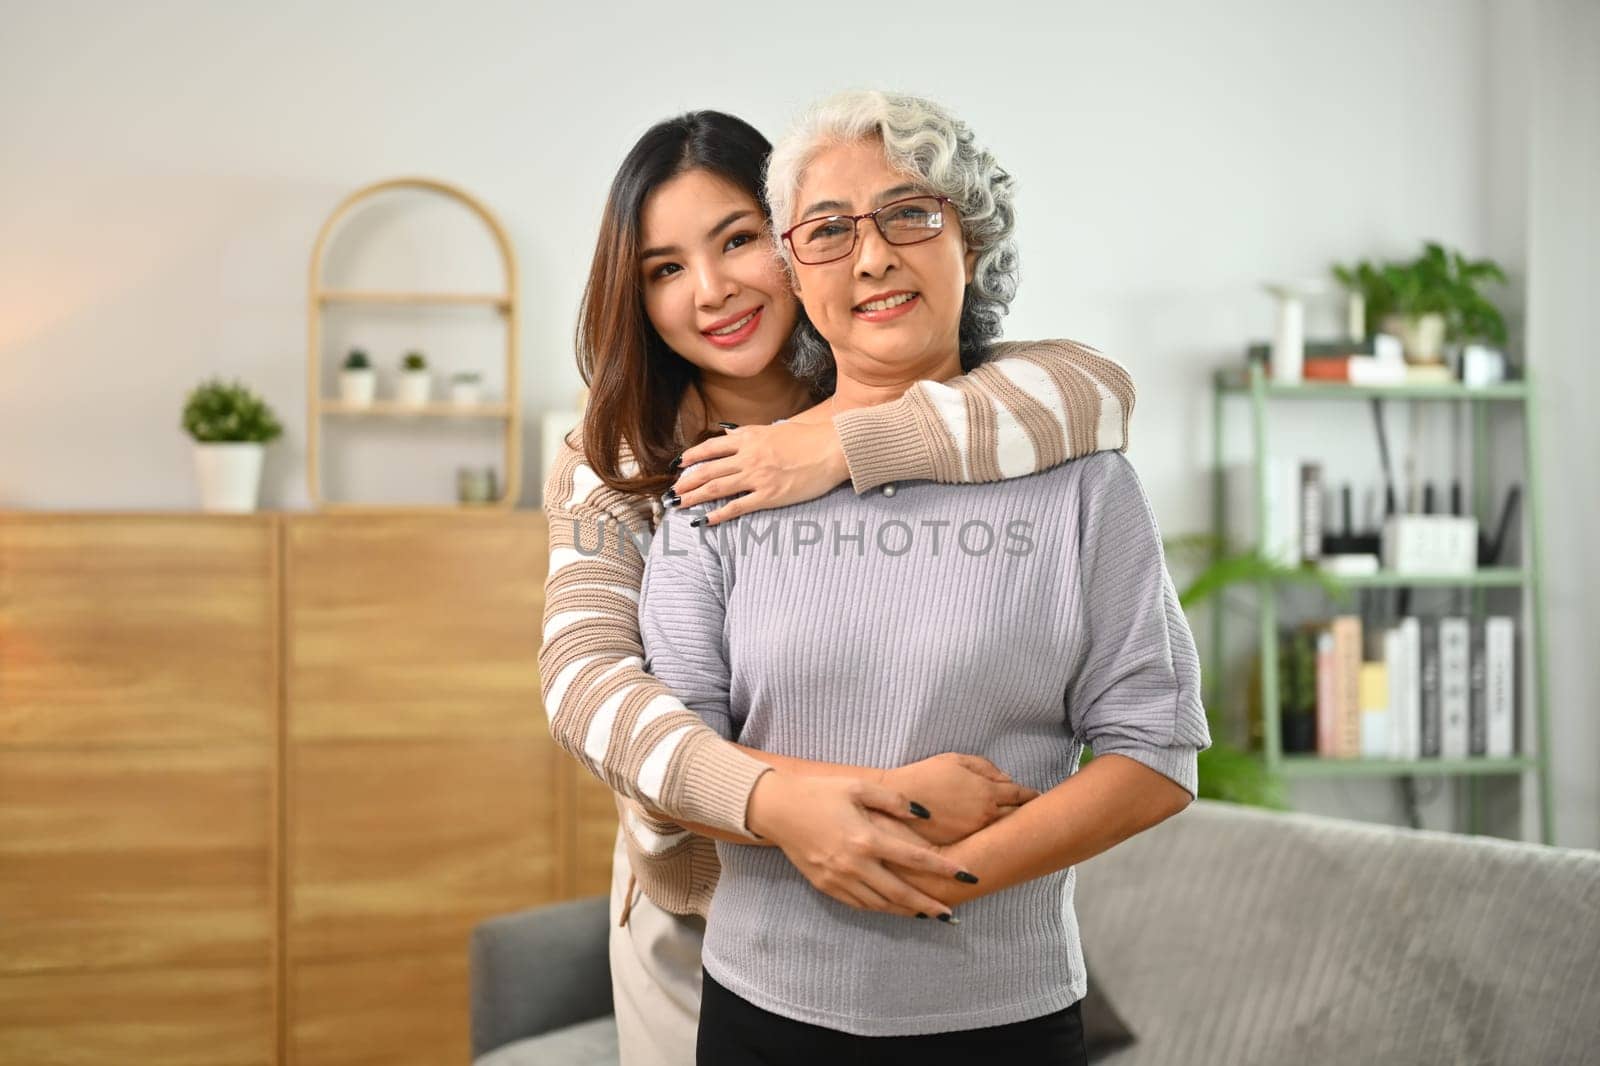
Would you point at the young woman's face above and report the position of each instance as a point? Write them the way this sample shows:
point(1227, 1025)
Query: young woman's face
point(713, 288)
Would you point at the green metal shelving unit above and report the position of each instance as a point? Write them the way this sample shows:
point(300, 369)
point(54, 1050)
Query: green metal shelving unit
point(1259, 394)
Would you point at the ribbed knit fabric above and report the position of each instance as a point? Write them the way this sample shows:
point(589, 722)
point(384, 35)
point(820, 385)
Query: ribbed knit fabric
point(1033, 405)
point(615, 719)
point(1019, 620)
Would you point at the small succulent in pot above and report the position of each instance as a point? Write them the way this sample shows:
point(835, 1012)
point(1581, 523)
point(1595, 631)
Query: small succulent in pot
point(415, 381)
point(358, 382)
point(466, 387)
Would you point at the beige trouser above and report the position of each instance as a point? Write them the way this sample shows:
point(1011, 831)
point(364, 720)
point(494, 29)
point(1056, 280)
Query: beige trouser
point(655, 975)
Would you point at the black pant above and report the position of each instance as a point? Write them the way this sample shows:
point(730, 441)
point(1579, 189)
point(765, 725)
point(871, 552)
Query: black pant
point(735, 1032)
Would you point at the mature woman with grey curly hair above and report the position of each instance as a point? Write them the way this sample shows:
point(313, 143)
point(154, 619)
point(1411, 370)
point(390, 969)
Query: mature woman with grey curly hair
point(1023, 620)
point(922, 139)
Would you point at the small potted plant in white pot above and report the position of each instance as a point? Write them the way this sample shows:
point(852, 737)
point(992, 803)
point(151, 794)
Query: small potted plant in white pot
point(231, 427)
point(466, 387)
point(416, 381)
point(357, 380)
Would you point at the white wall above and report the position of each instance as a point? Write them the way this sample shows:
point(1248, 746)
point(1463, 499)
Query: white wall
point(166, 167)
point(1563, 324)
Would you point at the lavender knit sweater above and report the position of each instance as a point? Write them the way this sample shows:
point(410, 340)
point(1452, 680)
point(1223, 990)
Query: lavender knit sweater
point(1019, 620)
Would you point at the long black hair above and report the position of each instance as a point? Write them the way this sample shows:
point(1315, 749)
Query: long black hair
point(635, 381)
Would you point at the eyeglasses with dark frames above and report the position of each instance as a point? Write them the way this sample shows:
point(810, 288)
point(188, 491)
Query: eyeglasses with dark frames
point(829, 238)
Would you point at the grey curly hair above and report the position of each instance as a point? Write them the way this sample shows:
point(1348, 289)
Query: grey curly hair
point(926, 142)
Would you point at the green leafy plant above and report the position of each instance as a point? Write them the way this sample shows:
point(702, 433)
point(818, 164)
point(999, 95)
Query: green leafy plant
point(219, 412)
point(1440, 281)
point(415, 361)
point(357, 360)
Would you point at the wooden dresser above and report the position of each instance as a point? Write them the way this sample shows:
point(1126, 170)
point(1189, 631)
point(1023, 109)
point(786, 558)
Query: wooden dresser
point(261, 774)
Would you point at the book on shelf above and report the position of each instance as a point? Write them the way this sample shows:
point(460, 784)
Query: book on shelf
point(1404, 656)
point(1374, 705)
point(1455, 687)
point(1327, 696)
point(1429, 374)
point(1478, 712)
point(1428, 684)
point(1356, 370)
point(1333, 348)
point(1439, 688)
point(1347, 684)
point(1370, 361)
point(1376, 361)
point(1500, 686)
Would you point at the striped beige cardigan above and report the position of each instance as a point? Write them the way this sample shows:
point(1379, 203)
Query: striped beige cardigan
point(1032, 406)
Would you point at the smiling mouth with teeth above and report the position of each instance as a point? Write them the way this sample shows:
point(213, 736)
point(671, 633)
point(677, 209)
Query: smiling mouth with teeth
point(735, 328)
point(884, 305)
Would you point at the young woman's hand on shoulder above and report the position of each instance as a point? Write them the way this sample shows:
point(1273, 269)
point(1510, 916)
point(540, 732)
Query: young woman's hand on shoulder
point(764, 467)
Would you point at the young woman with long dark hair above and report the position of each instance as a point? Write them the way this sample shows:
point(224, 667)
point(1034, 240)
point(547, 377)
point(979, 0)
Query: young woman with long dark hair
point(684, 339)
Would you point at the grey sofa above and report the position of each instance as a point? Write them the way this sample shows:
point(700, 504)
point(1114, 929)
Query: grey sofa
point(1226, 935)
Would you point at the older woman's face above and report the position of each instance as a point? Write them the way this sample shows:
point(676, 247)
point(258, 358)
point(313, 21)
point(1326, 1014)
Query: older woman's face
point(884, 307)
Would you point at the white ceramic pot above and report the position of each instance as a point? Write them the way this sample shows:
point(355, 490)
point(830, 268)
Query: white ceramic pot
point(357, 387)
point(466, 392)
point(1422, 336)
point(230, 474)
point(415, 387)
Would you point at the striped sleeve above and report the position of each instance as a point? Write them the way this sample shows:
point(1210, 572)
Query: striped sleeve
point(624, 726)
point(1033, 405)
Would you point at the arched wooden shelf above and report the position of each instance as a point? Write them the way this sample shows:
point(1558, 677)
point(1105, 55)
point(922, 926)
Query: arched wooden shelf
point(508, 411)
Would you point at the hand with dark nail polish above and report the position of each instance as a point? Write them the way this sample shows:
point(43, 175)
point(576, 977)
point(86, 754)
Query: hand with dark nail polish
point(919, 810)
point(671, 499)
point(676, 462)
point(728, 425)
point(698, 522)
point(966, 878)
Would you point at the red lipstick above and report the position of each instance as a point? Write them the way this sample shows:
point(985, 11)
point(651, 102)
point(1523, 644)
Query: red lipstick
point(738, 336)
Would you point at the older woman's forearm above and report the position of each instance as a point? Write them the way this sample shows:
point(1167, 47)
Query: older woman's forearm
point(1103, 804)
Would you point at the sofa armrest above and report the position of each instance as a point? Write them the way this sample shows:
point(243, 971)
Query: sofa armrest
point(537, 970)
